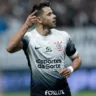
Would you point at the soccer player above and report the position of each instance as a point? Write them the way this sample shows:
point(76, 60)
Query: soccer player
point(45, 49)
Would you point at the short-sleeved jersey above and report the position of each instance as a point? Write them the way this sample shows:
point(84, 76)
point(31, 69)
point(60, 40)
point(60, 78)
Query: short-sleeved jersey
point(46, 56)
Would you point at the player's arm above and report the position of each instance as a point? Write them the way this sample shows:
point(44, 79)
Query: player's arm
point(15, 43)
point(74, 56)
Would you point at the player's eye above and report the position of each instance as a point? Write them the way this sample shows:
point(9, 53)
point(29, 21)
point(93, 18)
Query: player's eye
point(49, 14)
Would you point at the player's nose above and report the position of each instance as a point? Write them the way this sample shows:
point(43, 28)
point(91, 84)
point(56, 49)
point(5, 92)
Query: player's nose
point(54, 16)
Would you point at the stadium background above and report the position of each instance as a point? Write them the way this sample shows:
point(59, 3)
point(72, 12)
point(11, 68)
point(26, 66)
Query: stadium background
point(77, 17)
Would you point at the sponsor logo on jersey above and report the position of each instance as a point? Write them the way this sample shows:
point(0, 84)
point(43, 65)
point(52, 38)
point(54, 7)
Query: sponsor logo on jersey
point(48, 64)
point(37, 47)
point(59, 46)
point(48, 49)
point(54, 92)
point(48, 61)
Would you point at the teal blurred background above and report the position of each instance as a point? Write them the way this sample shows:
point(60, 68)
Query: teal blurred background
point(77, 17)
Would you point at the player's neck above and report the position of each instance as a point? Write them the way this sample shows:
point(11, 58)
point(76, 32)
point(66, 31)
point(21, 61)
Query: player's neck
point(43, 30)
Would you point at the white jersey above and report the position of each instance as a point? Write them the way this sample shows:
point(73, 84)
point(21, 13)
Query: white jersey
point(46, 56)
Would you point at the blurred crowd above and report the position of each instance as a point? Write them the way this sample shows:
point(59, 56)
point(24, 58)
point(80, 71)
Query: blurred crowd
point(70, 13)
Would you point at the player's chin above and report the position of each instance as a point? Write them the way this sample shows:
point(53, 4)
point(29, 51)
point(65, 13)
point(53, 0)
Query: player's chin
point(54, 25)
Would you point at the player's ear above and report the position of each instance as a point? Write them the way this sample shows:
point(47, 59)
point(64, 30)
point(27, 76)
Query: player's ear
point(39, 20)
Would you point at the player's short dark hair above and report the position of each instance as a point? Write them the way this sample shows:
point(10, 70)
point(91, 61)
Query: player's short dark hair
point(41, 4)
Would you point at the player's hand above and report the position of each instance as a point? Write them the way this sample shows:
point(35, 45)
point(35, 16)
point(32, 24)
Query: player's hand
point(31, 19)
point(65, 72)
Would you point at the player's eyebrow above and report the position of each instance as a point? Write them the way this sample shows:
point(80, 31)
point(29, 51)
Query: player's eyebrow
point(49, 12)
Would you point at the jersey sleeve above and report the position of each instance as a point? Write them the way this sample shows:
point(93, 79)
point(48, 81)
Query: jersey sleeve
point(71, 49)
point(25, 41)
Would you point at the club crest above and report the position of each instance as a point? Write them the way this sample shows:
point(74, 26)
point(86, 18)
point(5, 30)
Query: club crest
point(59, 46)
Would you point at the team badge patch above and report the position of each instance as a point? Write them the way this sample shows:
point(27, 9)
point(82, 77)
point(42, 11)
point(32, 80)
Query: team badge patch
point(59, 46)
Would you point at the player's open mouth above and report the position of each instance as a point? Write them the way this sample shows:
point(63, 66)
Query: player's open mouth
point(54, 21)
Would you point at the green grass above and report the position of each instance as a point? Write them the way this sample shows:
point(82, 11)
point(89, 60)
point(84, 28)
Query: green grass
point(86, 93)
point(17, 94)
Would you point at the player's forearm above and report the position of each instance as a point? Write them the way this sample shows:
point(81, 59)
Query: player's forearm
point(76, 63)
point(16, 39)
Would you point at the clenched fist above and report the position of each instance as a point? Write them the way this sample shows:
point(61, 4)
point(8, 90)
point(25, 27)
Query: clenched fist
point(65, 72)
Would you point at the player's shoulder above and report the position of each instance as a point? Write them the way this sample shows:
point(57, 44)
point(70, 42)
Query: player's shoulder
point(60, 32)
point(29, 33)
